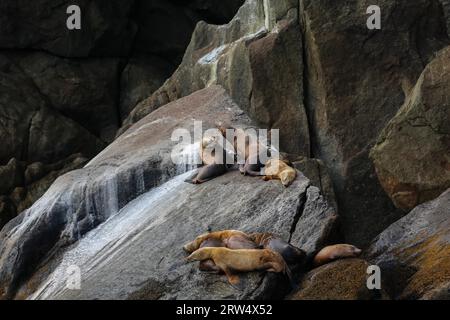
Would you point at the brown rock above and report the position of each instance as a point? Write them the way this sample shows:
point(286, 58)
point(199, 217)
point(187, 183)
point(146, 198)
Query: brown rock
point(414, 252)
point(340, 280)
point(412, 155)
point(357, 79)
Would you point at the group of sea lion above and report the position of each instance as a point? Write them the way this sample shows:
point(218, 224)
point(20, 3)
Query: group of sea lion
point(232, 252)
point(273, 169)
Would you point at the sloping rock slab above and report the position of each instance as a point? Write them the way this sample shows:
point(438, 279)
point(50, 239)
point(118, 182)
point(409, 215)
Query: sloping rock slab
point(82, 199)
point(138, 252)
point(414, 253)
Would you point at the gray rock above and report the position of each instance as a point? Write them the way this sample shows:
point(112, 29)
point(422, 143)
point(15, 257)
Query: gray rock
point(80, 200)
point(11, 176)
point(357, 79)
point(256, 57)
point(82, 90)
point(106, 29)
point(142, 76)
point(31, 129)
point(316, 224)
point(412, 154)
point(153, 256)
point(414, 252)
point(137, 233)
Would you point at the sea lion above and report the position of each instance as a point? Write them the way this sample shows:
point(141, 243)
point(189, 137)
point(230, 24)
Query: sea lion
point(290, 253)
point(242, 260)
point(209, 265)
point(232, 239)
point(278, 169)
point(335, 252)
point(208, 173)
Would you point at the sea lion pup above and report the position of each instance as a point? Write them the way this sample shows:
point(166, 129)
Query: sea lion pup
point(232, 239)
point(335, 252)
point(279, 170)
point(242, 260)
point(290, 253)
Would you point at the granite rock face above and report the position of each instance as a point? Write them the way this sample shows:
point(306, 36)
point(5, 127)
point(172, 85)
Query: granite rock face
point(412, 155)
point(139, 162)
point(340, 280)
point(357, 79)
point(414, 252)
point(257, 58)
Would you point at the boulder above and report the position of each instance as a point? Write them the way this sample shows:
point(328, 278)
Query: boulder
point(317, 172)
point(357, 79)
point(7, 210)
point(32, 130)
point(340, 280)
point(256, 57)
point(150, 264)
point(414, 252)
point(446, 8)
point(412, 155)
point(106, 28)
point(142, 76)
point(82, 90)
point(11, 176)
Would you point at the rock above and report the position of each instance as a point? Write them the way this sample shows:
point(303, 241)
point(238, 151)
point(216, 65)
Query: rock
point(166, 27)
point(316, 223)
point(142, 76)
point(140, 162)
point(82, 90)
point(11, 176)
point(316, 171)
point(412, 155)
point(34, 171)
point(106, 29)
point(414, 252)
point(446, 9)
point(231, 56)
point(340, 280)
point(277, 88)
point(37, 188)
point(7, 210)
point(137, 161)
point(32, 130)
point(348, 106)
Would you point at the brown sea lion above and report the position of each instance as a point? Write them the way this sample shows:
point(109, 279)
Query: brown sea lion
point(232, 239)
point(290, 253)
point(242, 260)
point(208, 173)
point(279, 170)
point(335, 252)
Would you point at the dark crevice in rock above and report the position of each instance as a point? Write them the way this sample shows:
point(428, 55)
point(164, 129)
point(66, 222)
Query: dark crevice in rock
point(306, 99)
point(301, 207)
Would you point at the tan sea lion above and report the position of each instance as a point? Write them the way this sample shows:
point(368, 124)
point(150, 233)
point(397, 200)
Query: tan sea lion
point(335, 252)
point(279, 170)
point(232, 239)
point(242, 260)
point(208, 173)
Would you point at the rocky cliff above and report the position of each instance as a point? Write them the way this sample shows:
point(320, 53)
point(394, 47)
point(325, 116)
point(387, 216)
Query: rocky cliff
point(86, 119)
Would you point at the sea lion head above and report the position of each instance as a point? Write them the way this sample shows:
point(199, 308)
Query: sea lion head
point(287, 177)
point(200, 255)
point(194, 245)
